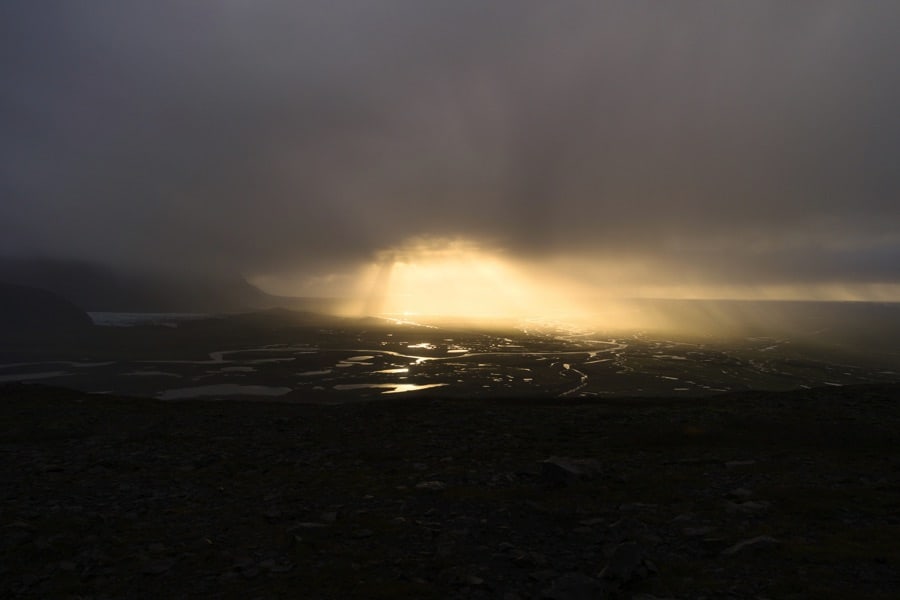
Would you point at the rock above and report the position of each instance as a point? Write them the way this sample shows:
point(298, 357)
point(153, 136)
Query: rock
point(434, 486)
point(306, 525)
point(574, 586)
point(157, 567)
point(67, 565)
point(626, 564)
point(697, 531)
point(636, 506)
point(524, 558)
point(272, 514)
point(561, 471)
point(739, 494)
point(250, 573)
point(17, 536)
point(761, 542)
point(747, 507)
point(582, 530)
point(360, 534)
point(461, 576)
point(498, 479)
point(276, 566)
point(625, 529)
point(543, 575)
point(537, 507)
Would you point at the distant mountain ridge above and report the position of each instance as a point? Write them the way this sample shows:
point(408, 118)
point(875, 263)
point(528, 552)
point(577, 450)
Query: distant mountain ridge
point(98, 288)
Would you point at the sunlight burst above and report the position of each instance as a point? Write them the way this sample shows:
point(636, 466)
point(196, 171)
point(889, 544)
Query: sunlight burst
point(457, 278)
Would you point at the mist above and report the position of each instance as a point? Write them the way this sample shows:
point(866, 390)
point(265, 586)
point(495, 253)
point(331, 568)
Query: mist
point(587, 150)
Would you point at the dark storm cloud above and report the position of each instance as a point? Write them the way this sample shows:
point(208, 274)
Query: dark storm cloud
point(743, 141)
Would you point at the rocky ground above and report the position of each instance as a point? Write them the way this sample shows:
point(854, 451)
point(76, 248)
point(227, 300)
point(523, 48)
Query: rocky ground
point(793, 495)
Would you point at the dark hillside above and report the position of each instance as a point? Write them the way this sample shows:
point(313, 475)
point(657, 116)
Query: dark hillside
point(99, 288)
point(26, 311)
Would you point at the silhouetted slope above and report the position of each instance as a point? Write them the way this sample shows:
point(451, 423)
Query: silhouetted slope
point(31, 311)
point(99, 288)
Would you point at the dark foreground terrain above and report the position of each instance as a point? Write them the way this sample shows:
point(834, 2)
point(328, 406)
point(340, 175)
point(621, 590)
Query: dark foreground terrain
point(750, 495)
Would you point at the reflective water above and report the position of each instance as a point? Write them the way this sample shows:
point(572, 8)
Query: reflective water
point(333, 363)
point(389, 388)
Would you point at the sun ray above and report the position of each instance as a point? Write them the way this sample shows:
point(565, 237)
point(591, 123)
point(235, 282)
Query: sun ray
point(457, 278)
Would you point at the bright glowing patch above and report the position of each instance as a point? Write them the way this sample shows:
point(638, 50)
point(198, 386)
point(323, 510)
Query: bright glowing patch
point(459, 279)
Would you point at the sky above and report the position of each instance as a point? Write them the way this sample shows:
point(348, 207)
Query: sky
point(691, 148)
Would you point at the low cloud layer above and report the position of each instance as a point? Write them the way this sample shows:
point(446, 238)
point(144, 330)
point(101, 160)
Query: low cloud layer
point(702, 142)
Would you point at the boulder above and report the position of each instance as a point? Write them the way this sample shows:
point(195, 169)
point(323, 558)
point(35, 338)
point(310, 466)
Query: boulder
point(560, 471)
point(762, 542)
